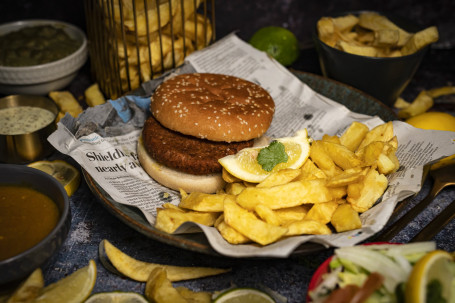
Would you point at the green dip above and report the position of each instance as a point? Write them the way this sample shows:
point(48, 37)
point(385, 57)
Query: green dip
point(35, 45)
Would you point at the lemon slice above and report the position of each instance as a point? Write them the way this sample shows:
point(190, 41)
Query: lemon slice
point(61, 170)
point(244, 164)
point(71, 289)
point(116, 297)
point(244, 295)
point(431, 268)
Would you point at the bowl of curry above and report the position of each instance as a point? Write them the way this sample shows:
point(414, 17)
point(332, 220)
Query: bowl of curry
point(35, 218)
point(39, 56)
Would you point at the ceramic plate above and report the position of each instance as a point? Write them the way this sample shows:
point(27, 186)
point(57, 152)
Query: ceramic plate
point(352, 98)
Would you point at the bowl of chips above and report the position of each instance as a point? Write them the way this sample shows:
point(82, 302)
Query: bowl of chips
point(375, 52)
point(39, 56)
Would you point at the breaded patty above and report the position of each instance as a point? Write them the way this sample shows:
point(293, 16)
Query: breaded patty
point(186, 153)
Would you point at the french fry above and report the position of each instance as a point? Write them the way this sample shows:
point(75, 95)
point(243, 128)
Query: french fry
point(376, 22)
point(267, 214)
point(66, 102)
point(307, 227)
point(168, 220)
point(322, 212)
point(345, 218)
point(202, 202)
point(361, 50)
point(297, 193)
point(373, 35)
point(341, 155)
point(347, 177)
point(160, 290)
point(354, 135)
point(291, 214)
point(234, 188)
point(93, 95)
point(374, 185)
point(140, 271)
point(420, 39)
point(194, 296)
point(228, 233)
point(310, 171)
point(280, 177)
point(246, 223)
point(421, 104)
point(382, 132)
point(322, 159)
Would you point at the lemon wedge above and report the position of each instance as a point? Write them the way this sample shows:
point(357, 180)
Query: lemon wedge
point(116, 297)
point(431, 268)
point(244, 165)
point(243, 295)
point(71, 289)
point(61, 170)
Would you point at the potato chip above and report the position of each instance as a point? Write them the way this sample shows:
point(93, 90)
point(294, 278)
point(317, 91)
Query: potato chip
point(420, 39)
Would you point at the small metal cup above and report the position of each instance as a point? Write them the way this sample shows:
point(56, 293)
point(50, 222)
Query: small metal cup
point(29, 147)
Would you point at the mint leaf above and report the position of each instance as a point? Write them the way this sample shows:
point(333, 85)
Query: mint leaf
point(272, 155)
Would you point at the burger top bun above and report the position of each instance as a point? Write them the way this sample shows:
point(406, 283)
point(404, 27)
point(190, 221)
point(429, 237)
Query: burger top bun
point(213, 106)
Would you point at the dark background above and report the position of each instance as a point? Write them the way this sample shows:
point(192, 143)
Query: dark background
point(245, 17)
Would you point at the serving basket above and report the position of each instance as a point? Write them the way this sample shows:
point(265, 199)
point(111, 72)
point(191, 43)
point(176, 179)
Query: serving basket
point(134, 41)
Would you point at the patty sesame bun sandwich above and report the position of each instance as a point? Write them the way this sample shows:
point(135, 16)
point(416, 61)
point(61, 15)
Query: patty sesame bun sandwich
point(196, 120)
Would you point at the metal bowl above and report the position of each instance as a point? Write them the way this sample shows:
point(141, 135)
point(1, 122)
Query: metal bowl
point(29, 147)
point(42, 78)
point(16, 268)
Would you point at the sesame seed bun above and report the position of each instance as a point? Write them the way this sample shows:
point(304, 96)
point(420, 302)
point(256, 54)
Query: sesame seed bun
point(213, 106)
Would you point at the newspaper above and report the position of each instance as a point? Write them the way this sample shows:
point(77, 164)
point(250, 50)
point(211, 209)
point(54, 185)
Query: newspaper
point(103, 141)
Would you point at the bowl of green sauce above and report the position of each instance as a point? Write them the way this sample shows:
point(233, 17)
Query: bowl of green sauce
point(39, 56)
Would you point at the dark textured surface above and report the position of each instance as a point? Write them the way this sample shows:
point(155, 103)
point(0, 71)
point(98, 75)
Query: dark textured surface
point(290, 277)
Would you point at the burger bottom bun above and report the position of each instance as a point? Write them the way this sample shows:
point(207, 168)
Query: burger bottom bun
point(177, 180)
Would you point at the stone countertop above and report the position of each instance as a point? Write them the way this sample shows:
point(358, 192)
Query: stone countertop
point(91, 222)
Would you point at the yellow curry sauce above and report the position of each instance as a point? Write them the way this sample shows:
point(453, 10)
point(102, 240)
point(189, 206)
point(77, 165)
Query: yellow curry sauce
point(26, 217)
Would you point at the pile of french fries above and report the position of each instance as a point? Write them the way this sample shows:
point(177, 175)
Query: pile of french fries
point(373, 35)
point(343, 177)
point(156, 37)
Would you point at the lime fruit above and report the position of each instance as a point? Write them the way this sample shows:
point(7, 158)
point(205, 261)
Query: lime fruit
point(243, 295)
point(430, 272)
point(433, 120)
point(244, 165)
point(74, 288)
point(278, 42)
point(61, 170)
point(116, 297)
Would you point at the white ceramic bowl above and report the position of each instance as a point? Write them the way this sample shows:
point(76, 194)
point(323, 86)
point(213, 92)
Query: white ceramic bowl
point(43, 78)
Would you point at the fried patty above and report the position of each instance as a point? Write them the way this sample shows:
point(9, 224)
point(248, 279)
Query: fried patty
point(186, 153)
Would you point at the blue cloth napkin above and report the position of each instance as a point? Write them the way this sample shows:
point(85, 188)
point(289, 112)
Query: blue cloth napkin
point(121, 105)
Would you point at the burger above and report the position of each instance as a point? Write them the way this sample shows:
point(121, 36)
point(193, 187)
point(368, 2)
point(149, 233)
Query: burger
point(197, 119)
